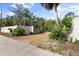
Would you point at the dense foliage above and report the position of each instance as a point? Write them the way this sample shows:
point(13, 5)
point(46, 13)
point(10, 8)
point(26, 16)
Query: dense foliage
point(23, 17)
point(58, 34)
point(76, 42)
point(18, 32)
point(39, 25)
point(62, 30)
point(50, 25)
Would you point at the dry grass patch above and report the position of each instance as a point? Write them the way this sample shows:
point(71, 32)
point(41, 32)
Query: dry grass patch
point(36, 39)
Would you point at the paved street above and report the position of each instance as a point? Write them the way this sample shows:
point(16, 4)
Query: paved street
point(11, 47)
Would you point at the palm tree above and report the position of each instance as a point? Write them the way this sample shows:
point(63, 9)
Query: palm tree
point(50, 6)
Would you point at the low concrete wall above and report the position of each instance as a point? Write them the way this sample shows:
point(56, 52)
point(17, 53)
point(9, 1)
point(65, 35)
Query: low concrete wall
point(27, 28)
point(6, 29)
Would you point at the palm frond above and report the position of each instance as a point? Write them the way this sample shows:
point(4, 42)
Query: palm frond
point(49, 6)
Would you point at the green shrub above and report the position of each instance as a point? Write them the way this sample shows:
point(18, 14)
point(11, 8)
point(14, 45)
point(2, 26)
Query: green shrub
point(50, 25)
point(76, 42)
point(39, 26)
point(58, 34)
point(62, 30)
point(18, 32)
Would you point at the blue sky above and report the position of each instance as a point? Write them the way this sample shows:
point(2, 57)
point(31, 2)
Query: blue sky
point(39, 11)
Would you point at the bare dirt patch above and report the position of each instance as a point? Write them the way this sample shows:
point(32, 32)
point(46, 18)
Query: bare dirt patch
point(36, 39)
point(5, 34)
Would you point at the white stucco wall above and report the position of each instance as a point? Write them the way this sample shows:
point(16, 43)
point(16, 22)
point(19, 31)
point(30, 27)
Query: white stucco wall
point(27, 28)
point(75, 32)
point(6, 29)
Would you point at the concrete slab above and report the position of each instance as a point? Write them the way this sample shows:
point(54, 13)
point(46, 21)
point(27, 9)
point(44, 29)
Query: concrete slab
point(11, 47)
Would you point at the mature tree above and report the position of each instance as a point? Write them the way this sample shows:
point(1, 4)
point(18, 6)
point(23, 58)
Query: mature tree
point(20, 13)
point(50, 6)
point(27, 17)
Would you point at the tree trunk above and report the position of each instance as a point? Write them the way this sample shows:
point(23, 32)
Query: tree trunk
point(56, 13)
